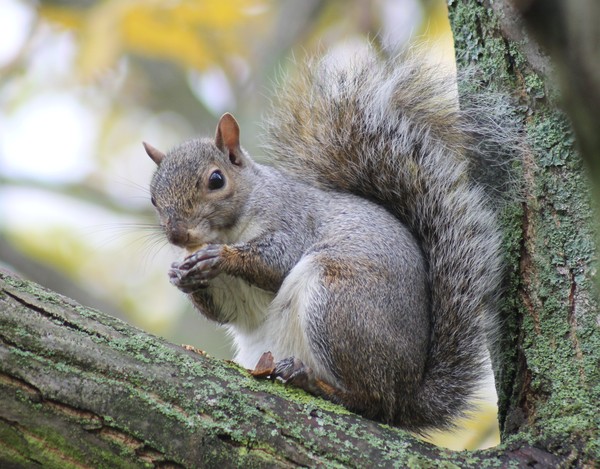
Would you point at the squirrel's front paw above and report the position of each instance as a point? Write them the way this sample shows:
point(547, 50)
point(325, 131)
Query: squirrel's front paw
point(195, 271)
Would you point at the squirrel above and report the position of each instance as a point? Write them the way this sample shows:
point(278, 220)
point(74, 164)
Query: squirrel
point(367, 258)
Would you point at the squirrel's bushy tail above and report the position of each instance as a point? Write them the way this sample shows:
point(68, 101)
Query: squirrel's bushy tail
point(391, 131)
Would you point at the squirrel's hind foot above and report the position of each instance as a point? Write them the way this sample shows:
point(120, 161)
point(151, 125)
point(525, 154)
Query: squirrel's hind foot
point(293, 371)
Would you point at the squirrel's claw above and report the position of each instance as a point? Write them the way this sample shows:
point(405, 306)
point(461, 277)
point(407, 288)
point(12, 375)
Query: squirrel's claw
point(285, 369)
point(290, 368)
point(293, 371)
point(210, 252)
point(197, 269)
point(185, 282)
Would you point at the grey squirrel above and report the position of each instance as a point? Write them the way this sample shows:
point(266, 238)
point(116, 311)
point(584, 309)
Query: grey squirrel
point(367, 259)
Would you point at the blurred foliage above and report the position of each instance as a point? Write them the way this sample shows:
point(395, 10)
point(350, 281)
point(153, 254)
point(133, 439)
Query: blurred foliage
point(191, 33)
point(478, 430)
point(159, 71)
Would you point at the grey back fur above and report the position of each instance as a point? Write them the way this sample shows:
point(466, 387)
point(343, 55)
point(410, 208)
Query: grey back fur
point(392, 132)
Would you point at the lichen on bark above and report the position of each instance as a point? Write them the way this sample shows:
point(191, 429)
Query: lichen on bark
point(548, 380)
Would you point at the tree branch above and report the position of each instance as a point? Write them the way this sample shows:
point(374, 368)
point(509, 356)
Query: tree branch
point(83, 389)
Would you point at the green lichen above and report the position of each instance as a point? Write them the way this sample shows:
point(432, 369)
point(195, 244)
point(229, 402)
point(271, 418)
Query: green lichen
point(553, 268)
point(563, 262)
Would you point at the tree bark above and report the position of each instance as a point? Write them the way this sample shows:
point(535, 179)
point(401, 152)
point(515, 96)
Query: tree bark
point(82, 389)
point(547, 372)
point(569, 32)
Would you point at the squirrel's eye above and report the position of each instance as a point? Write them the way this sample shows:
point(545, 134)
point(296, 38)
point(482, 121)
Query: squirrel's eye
point(216, 180)
point(153, 201)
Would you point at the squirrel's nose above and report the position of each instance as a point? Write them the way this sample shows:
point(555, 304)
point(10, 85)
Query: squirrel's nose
point(178, 234)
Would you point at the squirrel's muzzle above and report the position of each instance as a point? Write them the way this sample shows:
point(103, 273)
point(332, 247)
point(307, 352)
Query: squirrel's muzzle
point(178, 234)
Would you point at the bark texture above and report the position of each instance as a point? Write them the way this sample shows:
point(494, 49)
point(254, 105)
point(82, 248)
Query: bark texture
point(569, 33)
point(547, 372)
point(82, 389)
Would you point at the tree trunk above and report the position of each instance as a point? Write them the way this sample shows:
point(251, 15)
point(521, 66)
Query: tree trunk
point(81, 389)
point(547, 373)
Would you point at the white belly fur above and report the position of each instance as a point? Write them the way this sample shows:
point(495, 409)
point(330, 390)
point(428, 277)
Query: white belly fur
point(268, 323)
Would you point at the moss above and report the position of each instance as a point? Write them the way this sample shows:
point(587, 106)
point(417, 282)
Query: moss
point(13, 447)
point(562, 264)
point(551, 344)
point(534, 85)
point(476, 41)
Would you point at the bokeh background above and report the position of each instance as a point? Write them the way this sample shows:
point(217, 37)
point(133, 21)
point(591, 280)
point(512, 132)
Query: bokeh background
point(83, 83)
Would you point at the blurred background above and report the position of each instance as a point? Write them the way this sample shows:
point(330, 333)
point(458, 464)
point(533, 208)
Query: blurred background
point(83, 83)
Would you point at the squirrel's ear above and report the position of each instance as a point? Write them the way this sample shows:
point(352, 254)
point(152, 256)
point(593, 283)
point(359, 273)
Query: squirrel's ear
point(227, 138)
point(156, 155)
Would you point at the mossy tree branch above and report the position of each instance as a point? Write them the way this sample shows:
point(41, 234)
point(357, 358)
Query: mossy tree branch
point(82, 389)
